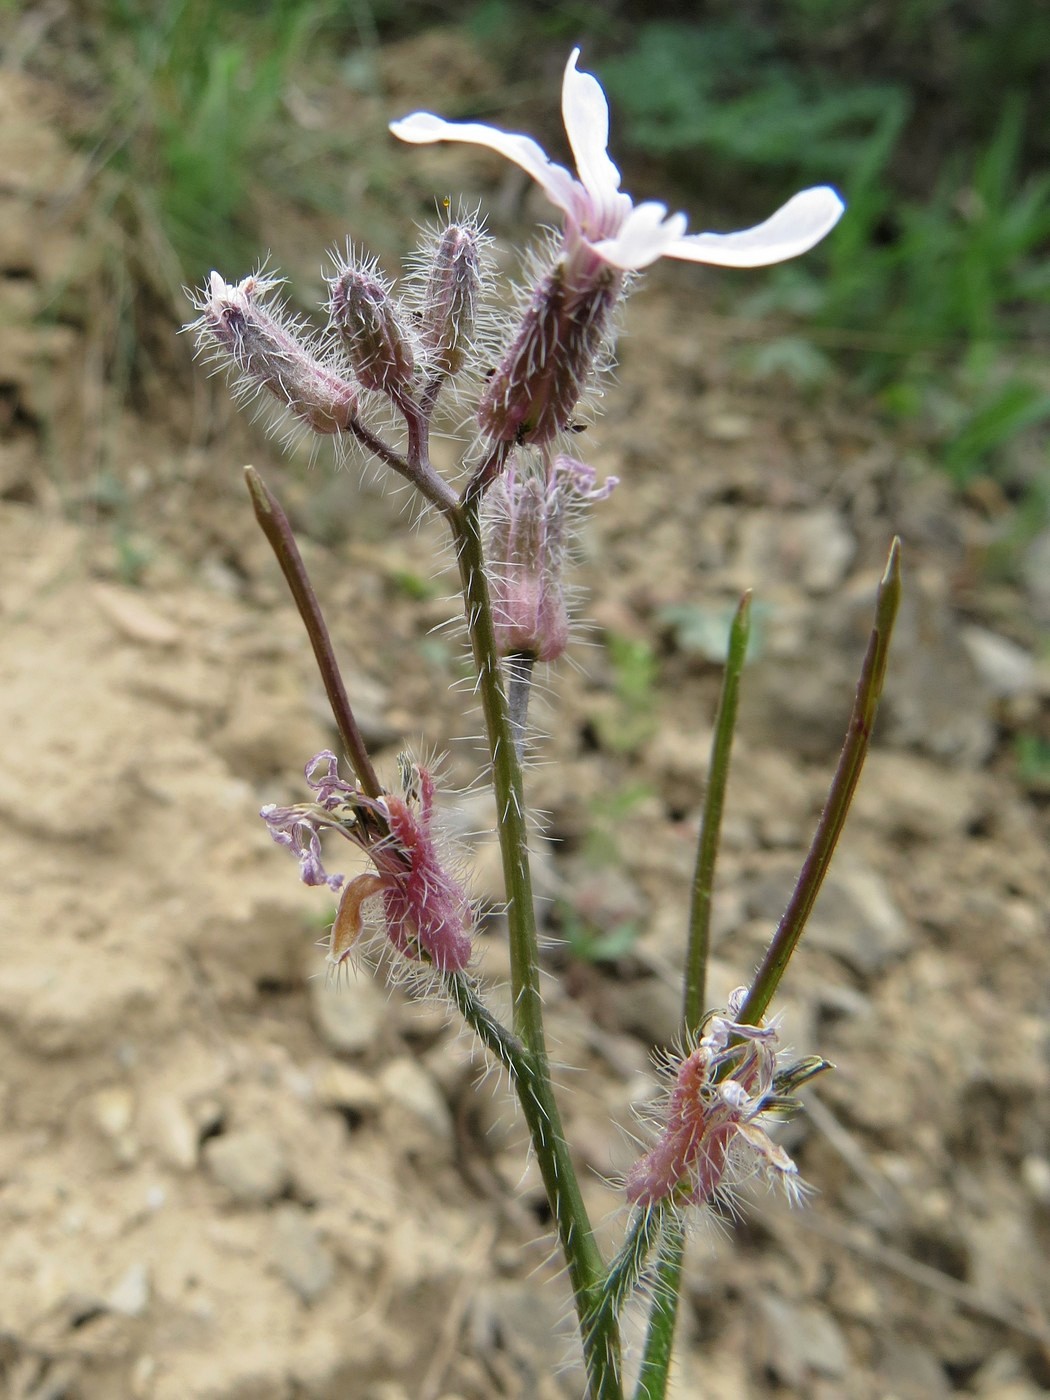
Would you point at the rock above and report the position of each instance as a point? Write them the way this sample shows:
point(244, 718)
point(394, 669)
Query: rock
point(1006, 669)
point(1035, 571)
point(249, 1164)
point(910, 796)
point(340, 1086)
point(348, 1014)
point(130, 1295)
point(531, 1325)
point(299, 1255)
point(113, 1110)
point(854, 918)
point(649, 1008)
point(812, 549)
point(133, 617)
point(911, 1371)
point(1035, 1174)
point(406, 1083)
point(801, 1341)
point(166, 1126)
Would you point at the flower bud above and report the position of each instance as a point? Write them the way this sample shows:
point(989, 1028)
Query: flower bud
point(535, 389)
point(370, 327)
point(450, 301)
point(529, 515)
point(237, 326)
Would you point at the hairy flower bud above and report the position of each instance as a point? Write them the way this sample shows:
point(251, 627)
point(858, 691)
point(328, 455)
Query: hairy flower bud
point(370, 327)
point(239, 328)
point(535, 389)
point(529, 513)
point(450, 301)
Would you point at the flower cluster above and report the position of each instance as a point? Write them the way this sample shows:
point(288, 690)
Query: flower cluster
point(566, 323)
point(426, 911)
point(711, 1138)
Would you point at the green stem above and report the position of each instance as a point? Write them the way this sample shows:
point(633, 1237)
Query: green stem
point(601, 1344)
point(840, 795)
point(711, 821)
point(275, 526)
point(504, 1046)
point(663, 1314)
point(625, 1271)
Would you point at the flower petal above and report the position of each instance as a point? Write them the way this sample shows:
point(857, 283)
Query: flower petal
point(586, 116)
point(799, 224)
point(423, 129)
point(646, 234)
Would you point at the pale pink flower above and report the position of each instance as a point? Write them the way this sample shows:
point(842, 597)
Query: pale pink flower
point(712, 1135)
point(602, 222)
point(427, 912)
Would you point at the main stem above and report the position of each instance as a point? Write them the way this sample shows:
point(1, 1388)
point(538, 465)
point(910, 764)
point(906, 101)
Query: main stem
point(601, 1344)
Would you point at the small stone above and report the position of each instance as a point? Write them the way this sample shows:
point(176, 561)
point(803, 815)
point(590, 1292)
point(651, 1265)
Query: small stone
point(912, 1371)
point(130, 1295)
point(854, 918)
point(299, 1255)
point(802, 1341)
point(728, 427)
point(250, 1164)
point(112, 1110)
point(167, 1127)
point(1006, 669)
point(133, 617)
point(649, 1008)
point(1035, 1174)
point(341, 1086)
point(406, 1083)
point(348, 1015)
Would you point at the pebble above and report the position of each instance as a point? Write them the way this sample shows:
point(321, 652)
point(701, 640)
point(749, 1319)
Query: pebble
point(250, 1164)
point(1006, 669)
point(299, 1255)
point(854, 918)
point(406, 1083)
point(339, 1085)
point(130, 1295)
point(649, 1008)
point(802, 1340)
point(167, 1127)
point(1035, 1174)
point(348, 1015)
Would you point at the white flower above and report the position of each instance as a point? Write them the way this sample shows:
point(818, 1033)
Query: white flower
point(601, 219)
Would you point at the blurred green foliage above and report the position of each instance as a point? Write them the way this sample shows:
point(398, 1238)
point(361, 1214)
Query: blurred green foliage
point(197, 120)
point(936, 287)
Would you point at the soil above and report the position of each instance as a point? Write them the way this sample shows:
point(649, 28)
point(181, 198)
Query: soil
point(222, 1178)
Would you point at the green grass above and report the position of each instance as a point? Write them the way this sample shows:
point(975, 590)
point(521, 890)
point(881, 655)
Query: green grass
point(939, 301)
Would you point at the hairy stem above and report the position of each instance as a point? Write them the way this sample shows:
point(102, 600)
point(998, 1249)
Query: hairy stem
point(414, 468)
point(532, 1072)
point(663, 1314)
